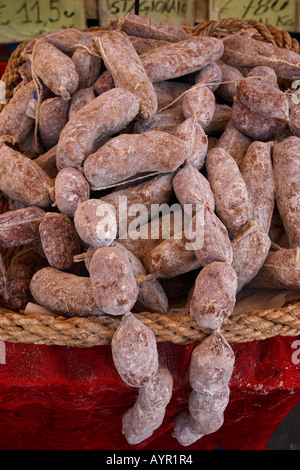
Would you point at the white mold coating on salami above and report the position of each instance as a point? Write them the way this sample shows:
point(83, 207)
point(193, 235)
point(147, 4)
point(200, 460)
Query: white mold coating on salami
point(148, 28)
point(183, 430)
point(207, 402)
point(139, 423)
point(250, 249)
point(54, 68)
point(134, 351)
point(87, 66)
point(287, 189)
point(267, 74)
point(199, 103)
point(52, 118)
point(22, 179)
point(261, 190)
point(207, 422)
point(103, 117)
point(166, 120)
point(235, 142)
point(128, 155)
point(243, 51)
point(158, 390)
point(59, 240)
point(214, 295)
point(211, 364)
point(256, 126)
point(126, 68)
point(178, 59)
point(211, 239)
point(171, 258)
point(152, 194)
point(231, 77)
point(279, 271)
point(113, 280)
point(233, 205)
point(193, 134)
point(3, 278)
point(19, 274)
point(151, 297)
point(211, 75)
point(71, 189)
point(191, 187)
point(95, 222)
point(263, 99)
point(64, 293)
point(20, 226)
point(80, 99)
point(13, 119)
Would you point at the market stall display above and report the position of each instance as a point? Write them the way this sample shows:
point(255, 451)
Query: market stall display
point(87, 285)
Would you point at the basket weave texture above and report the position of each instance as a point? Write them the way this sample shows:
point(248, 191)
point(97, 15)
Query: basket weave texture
point(176, 327)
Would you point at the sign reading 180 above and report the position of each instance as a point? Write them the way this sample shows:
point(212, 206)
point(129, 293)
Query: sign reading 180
point(23, 19)
point(261, 7)
point(279, 13)
point(276, 8)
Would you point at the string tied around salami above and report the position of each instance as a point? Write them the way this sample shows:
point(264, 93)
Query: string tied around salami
point(200, 85)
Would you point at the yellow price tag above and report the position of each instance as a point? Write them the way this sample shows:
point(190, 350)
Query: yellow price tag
point(21, 20)
point(280, 13)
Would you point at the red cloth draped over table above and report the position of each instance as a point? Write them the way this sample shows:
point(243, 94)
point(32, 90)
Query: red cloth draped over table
point(54, 397)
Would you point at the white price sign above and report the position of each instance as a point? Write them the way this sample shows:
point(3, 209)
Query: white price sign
point(21, 20)
point(280, 13)
point(179, 11)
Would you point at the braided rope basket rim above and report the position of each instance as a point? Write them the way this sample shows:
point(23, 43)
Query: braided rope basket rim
point(176, 327)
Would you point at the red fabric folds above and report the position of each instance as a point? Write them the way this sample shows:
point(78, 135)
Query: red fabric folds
point(2, 68)
point(60, 398)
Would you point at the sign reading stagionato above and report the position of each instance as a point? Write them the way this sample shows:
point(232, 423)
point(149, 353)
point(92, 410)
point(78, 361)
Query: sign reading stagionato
point(176, 11)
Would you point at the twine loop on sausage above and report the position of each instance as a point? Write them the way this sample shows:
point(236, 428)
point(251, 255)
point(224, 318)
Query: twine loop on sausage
point(201, 85)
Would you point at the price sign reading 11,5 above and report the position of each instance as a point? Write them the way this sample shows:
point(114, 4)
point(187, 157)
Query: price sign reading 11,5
point(24, 19)
point(283, 14)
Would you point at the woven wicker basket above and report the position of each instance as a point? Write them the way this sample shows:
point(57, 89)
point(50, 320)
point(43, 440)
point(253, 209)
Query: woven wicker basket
point(177, 326)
